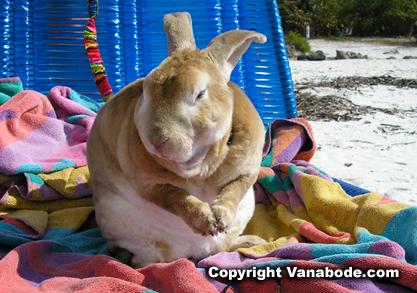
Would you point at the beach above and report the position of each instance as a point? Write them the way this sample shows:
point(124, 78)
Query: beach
point(378, 151)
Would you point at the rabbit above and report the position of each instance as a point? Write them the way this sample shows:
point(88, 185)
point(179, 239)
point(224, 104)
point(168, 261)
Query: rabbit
point(173, 157)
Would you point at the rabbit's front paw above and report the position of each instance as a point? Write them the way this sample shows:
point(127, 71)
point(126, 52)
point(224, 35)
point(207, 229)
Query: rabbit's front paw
point(203, 222)
point(224, 217)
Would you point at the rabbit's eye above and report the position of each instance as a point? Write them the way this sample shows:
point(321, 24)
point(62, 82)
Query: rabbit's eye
point(201, 94)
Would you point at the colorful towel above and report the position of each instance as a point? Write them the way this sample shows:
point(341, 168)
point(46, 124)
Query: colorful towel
point(42, 134)
point(319, 239)
point(45, 266)
point(8, 88)
point(39, 135)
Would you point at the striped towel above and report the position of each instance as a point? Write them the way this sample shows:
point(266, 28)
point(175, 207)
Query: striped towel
point(42, 134)
point(318, 237)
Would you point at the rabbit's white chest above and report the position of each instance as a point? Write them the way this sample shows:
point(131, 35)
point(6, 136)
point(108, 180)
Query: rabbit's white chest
point(146, 229)
point(203, 193)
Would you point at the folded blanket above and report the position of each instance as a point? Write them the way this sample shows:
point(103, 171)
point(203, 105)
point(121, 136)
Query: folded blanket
point(42, 134)
point(33, 210)
point(9, 87)
point(38, 135)
point(319, 239)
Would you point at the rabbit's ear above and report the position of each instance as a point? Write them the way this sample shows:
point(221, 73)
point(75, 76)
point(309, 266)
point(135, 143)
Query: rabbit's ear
point(179, 30)
point(228, 47)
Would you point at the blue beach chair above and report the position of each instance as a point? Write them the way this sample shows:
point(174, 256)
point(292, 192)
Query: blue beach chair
point(42, 43)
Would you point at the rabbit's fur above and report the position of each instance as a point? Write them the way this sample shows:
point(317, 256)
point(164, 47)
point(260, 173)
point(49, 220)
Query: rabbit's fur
point(173, 157)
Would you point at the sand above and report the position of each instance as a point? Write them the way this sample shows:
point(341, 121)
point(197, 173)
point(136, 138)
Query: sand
point(378, 152)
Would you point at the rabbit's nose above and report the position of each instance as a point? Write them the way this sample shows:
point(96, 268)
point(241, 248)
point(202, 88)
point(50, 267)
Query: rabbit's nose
point(160, 146)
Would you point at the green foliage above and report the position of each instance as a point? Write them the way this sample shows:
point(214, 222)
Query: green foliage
point(321, 15)
point(379, 18)
point(296, 40)
point(324, 15)
point(365, 17)
point(293, 18)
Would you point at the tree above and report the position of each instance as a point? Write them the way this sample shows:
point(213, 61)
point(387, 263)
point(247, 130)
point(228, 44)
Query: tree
point(379, 18)
point(408, 13)
point(365, 17)
point(322, 15)
point(293, 17)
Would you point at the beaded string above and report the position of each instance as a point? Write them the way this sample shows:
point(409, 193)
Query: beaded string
point(92, 50)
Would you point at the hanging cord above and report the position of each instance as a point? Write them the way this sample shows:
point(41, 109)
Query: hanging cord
point(91, 48)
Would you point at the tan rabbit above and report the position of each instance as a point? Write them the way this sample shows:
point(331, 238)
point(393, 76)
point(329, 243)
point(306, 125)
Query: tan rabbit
point(173, 157)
